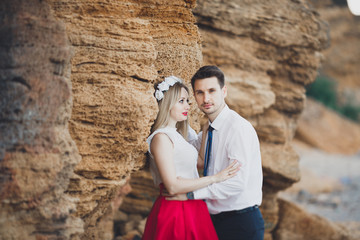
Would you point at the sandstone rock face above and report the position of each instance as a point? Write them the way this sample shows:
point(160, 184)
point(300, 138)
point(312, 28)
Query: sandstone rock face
point(121, 48)
point(325, 129)
point(37, 154)
point(268, 52)
point(143, 194)
point(318, 126)
point(297, 224)
point(342, 58)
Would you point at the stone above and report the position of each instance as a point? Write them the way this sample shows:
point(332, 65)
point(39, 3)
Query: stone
point(280, 166)
point(320, 127)
point(37, 153)
point(315, 184)
point(342, 58)
point(133, 235)
point(269, 53)
point(143, 194)
point(295, 223)
point(120, 216)
point(72, 146)
point(141, 226)
point(135, 217)
point(121, 49)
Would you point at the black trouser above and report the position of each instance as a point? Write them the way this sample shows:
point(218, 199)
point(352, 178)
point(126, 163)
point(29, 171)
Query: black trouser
point(247, 224)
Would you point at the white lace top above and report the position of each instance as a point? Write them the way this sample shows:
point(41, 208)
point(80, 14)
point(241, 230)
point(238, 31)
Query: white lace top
point(185, 156)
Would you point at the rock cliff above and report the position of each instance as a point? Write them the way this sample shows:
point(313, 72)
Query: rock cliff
point(318, 126)
point(37, 153)
point(297, 224)
point(342, 58)
point(325, 129)
point(120, 49)
point(268, 52)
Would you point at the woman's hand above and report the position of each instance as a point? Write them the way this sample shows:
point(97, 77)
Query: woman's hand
point(227, 173)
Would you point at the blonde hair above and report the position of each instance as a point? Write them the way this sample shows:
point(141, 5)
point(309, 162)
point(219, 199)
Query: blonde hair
point(171, 97)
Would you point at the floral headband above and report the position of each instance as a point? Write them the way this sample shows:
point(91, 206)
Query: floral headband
point(165, 85)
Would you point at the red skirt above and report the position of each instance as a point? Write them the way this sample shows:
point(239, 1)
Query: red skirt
point(179, 220)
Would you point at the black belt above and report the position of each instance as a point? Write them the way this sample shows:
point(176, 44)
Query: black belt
point(234, 212)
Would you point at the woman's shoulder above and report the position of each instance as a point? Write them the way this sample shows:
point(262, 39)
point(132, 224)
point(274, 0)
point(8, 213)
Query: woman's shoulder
point(161, 134)
point(161, 137)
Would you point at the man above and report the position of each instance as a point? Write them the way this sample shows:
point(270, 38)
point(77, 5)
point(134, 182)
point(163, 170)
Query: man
point(233, 204)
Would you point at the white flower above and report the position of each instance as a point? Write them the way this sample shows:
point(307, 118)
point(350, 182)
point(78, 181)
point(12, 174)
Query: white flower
point(172, 80)
point(159, 95)
point(163, 86)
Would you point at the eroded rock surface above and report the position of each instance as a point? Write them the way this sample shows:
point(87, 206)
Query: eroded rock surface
point(325, 129)
point(37, 154)
point(297, 224)
point(342, 58)
point(121, 48)
point(318, 126)
point(269, 52)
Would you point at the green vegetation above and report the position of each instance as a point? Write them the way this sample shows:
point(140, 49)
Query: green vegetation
point(350, 111)
point(324, 90)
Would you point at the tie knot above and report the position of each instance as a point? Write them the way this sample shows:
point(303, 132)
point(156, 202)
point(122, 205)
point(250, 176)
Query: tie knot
point(210, 129)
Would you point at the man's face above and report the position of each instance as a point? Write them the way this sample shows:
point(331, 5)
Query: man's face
point(209, 96)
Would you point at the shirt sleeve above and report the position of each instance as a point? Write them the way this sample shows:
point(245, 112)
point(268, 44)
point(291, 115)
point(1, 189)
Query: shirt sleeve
point(241, 146)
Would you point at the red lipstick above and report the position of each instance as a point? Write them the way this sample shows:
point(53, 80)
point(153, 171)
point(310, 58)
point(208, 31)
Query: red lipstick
point(185, 113)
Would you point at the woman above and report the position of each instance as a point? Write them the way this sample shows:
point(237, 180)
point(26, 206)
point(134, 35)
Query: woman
point(173, 166)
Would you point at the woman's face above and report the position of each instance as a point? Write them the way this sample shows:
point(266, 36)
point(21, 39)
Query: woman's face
point(181, 109)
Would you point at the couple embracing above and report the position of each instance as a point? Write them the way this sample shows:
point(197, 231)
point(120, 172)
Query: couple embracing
point(228, 151)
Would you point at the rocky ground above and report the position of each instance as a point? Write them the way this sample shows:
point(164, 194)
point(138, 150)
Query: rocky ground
point(329, 187)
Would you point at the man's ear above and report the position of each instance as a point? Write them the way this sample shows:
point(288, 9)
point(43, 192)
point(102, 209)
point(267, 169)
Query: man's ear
point(224, 90)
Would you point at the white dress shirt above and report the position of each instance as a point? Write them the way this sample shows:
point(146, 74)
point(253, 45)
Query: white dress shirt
point(234, 138)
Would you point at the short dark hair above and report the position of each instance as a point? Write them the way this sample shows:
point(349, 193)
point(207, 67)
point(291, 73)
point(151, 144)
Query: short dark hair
point(207, 72)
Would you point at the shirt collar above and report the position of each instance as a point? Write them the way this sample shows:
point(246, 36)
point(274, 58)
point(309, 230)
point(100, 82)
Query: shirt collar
point(220, 119)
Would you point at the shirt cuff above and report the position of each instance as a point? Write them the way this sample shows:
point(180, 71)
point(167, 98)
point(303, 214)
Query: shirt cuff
point(201, 193)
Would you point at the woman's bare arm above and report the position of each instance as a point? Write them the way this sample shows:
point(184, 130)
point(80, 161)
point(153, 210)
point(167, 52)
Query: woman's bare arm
point(162, 150)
